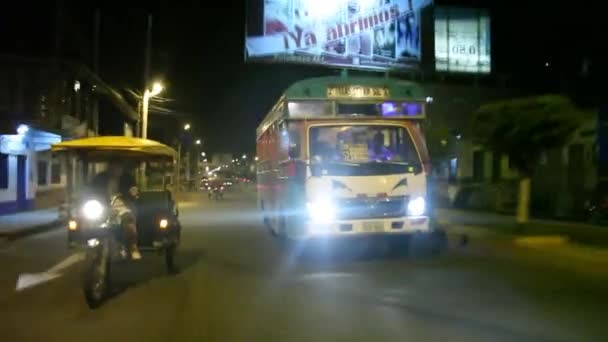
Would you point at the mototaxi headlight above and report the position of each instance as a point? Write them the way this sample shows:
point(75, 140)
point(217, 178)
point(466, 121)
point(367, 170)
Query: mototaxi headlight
point(92, 210)
point(416, 206)
point(321, 210)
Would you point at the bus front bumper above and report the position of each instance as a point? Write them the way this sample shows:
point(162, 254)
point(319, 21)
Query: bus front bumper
point(369, 227)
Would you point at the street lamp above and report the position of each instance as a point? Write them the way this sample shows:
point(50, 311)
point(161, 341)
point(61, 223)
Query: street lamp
point(255, 158)
point(203, 154)
point(156, 89)
point(244, 156)
point(198, 141)
point(187, 127)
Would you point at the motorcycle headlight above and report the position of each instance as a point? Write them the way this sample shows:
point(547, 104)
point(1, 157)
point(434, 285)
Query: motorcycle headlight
point(416, 206)
point(321, 210)
point(92, 210)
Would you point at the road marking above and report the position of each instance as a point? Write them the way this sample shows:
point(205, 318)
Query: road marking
point(27, 280)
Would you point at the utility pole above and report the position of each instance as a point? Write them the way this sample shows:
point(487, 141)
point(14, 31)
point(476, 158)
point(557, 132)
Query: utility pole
point(144, 111)
point(188, 169)
point(178, 166)
point(144, 118)
point(95, 109)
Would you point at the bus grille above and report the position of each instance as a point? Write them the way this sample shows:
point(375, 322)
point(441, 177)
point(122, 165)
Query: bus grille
point(368, 208)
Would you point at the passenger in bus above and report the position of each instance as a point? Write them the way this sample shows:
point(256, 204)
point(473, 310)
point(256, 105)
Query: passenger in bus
point(323, 147)
point(380, 151)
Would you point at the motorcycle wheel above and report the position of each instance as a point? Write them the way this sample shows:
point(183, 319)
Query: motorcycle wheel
point(96, 277)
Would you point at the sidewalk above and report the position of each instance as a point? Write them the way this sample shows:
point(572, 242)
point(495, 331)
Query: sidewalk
point(537, 230)
point(28, 222)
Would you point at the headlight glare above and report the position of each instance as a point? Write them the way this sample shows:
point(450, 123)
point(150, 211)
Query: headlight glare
point(416, 206)
point(92, 210)
point(321, 210)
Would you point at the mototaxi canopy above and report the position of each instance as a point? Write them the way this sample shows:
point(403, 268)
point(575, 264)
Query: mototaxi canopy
point(108, 147)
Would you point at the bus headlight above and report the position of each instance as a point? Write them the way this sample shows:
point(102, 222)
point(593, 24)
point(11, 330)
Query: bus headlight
point(321, 210)
point(416, 206)
point(92, 210)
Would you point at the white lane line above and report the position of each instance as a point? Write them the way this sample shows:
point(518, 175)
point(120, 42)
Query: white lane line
point(27, 280)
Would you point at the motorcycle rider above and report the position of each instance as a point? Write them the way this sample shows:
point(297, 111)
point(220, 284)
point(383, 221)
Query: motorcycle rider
point(117, 186)
point(215, 187)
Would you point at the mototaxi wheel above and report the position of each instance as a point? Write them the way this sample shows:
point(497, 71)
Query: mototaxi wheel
point(170, 251)
point(96, 276)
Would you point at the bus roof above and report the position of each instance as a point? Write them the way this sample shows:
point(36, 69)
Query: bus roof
point(317, 87)
point(340, 87)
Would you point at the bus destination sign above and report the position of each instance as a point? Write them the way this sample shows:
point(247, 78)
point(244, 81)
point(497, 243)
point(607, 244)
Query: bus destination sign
point(357, 92)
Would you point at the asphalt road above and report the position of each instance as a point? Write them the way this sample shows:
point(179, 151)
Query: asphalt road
point(238, 284)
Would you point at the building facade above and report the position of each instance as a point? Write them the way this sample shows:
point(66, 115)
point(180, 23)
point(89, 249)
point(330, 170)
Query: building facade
point(43, 102)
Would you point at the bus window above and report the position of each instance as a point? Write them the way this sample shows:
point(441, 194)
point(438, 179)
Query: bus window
point(294, 140)
point(309, 108)
point(364, 149)
point(372, 109)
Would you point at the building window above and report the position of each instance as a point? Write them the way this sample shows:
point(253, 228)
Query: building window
point(42, 172)
point(4, 171)
point(56, 172)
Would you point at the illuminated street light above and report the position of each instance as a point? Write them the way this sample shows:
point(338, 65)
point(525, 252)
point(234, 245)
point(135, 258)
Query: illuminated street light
point(187, 127)
point(145, 103)
point(203, 154)
point(198, 142)
point(157, 87)
point(148, 94)
point(205, 160)
point(244, 156)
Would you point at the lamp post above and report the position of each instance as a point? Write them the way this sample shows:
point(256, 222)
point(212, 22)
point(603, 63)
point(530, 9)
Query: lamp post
point(198, 143)
point(156, 89)
point(186, 128)
point(148, 94)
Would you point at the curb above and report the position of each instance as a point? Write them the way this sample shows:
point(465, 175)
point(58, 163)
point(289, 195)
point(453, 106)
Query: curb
point(23, 232)
point(541, 241)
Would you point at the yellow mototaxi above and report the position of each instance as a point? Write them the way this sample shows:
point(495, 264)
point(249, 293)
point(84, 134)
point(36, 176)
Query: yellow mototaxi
point(94, 226)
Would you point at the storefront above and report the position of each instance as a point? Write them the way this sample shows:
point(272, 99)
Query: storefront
point(26, 167)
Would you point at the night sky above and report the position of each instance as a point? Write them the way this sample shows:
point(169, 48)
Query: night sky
point(198, 53)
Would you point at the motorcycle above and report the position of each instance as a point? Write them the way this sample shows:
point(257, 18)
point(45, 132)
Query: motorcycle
point(93, 224)
point(216, 192)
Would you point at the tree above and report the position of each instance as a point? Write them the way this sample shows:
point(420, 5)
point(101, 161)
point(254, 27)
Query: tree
point(523, 129)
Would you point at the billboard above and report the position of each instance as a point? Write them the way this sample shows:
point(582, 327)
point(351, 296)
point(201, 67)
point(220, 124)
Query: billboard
point(370, 34)
point(462, 40)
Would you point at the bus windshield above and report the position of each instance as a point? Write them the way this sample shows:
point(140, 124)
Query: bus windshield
point(364, 149)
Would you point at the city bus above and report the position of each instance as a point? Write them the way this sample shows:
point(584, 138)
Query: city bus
point(344, 157)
